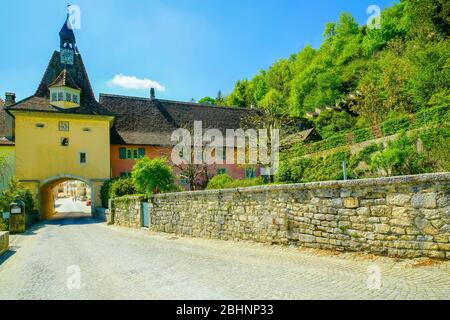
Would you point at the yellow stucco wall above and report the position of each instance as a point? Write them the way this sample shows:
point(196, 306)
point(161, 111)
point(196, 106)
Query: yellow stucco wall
point(41, 161)
point(39, 154)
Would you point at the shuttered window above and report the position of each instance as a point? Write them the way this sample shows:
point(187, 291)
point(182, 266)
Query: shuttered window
point(131, 153)
point(122, 153)
point(250, 173)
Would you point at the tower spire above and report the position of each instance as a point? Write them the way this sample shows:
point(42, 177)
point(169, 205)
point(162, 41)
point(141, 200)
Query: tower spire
point(66, 35)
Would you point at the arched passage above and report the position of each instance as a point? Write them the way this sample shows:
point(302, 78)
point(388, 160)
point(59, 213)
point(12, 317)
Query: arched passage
point(46, 194)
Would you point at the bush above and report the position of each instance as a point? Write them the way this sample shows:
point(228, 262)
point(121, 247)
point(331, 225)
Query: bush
point(122, 187)
point(432, 115)
point(395, 125)
point(224, 181)
point(153, 176)
point(300, 170)
point(435, 144)
point(364, 155)
point(400, 158)
point(105, 192)
point(219, 181)
point(335, 141)
point(4, 224)
point(9, 195)
point(361, 135)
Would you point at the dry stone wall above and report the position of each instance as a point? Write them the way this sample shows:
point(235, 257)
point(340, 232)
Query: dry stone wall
point(126, 211)
point(4, 242)
point(405, 216)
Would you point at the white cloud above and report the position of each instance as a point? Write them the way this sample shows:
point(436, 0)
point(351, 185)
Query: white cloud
point(131, 82)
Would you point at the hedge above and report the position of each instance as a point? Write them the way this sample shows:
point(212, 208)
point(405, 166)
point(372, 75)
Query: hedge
point(362, 135)
point(432, 115)
point(436, 115)
point(395, 125)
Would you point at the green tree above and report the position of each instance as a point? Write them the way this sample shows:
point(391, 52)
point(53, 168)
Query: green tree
point(241, 96)
point(220, 99)
point(122, 187)
point(207, 100)
point(153, 176)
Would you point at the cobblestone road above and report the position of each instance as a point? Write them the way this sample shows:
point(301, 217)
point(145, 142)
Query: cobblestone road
point(117, 263)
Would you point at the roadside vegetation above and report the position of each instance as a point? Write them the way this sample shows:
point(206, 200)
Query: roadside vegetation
point(8, 196)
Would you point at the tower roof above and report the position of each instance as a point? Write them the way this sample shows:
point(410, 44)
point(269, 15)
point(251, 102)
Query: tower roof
point(64, 79)
point(67, 30)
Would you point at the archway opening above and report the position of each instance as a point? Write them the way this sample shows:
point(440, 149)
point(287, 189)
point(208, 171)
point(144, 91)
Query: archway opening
point(66, 197)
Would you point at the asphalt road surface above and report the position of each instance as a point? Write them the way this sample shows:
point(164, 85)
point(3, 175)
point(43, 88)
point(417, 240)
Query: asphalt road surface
point(73, 256)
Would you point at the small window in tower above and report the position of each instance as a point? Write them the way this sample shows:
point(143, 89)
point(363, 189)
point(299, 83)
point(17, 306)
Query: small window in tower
point(64, 142)
point(54, 96)
point(74, 98)
point(68, 97)
point(60, 96)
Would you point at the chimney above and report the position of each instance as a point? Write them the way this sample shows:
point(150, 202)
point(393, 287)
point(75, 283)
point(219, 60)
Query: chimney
point(152, 93)
point(10, 99)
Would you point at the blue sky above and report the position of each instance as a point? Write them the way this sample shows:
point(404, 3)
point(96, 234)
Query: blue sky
point(192, 48)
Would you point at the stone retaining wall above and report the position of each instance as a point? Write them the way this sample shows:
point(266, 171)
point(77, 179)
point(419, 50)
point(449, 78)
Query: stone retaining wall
point(126, 211)
point(405, 216)
point(4, 242)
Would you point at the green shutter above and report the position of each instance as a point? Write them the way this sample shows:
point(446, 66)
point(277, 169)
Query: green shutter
point(250, 173)
point(122, 153)
point(141, 152)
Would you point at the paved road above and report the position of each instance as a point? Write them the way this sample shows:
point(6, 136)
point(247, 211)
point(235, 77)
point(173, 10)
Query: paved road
point(117, 263)
point(67, 205)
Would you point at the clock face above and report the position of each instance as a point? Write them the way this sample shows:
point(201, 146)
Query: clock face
point(63, 126)
point(67, 56)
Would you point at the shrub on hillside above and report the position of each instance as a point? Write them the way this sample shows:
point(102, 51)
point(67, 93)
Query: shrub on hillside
point(395, 125)
point(153, 176)
point(436, 142)
point(432, 115)
point(299, 170)
point(400, 158)
point(361, 135)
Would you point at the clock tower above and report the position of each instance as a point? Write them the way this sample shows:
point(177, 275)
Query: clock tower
point(67, 44)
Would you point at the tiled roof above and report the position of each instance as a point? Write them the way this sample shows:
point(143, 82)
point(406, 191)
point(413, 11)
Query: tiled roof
point(302, 136)
point(142, 121)
point(41, 102)
point(64, 80)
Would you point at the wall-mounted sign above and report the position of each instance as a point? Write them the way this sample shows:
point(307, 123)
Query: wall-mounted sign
point(16, 210)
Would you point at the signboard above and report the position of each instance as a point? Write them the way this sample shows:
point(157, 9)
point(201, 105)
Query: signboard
point(16, 210)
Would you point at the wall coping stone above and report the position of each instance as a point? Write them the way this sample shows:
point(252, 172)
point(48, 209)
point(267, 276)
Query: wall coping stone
point(399, 180)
